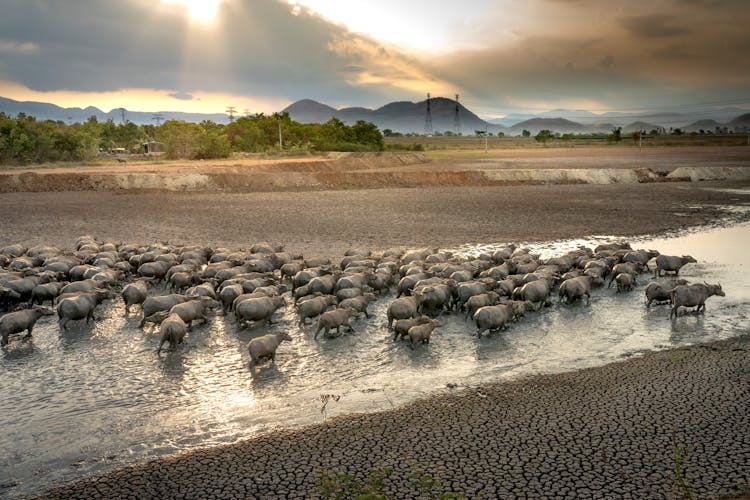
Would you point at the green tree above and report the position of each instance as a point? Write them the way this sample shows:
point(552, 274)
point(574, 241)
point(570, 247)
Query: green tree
point(526, 133)
point(543, 136)
point(181, 139)
point(615, 135)
point(213, 144)
point(368, 134)
point(244, 134)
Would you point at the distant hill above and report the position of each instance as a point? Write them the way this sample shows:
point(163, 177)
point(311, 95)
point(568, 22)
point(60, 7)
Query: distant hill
point(407, 116)
point(705, 125)
point(534, 125)
point(401, 116)
point(308, 111)
point(47, 111)
point(741, 122)
point(639, 126)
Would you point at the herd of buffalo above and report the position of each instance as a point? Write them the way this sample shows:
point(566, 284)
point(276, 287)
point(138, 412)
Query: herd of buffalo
point(175, 286)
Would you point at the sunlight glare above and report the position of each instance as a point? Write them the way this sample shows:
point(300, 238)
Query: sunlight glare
point(199, 10)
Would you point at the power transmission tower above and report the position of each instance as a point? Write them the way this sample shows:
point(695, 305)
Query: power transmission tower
point(428, 118)
point(122, 114)
point(457, 119)
point(157, 117)
point(231, 111)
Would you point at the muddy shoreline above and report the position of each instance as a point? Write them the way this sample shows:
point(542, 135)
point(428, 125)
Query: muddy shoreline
point(613, 431)
point(326, 224)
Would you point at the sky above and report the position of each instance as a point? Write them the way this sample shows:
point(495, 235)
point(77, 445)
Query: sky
point(500, 56)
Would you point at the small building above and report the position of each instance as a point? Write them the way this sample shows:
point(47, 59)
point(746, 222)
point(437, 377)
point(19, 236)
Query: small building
point(153, 148)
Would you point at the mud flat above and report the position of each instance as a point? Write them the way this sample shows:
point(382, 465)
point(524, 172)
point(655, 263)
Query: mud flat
point(328, 223)
point(669, 424)
point(320, 206)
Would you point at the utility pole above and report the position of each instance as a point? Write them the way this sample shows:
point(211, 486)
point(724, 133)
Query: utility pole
point(122, 114)
point(485, 139)
point(281, 140)
point(457, 119)
point(428, 118)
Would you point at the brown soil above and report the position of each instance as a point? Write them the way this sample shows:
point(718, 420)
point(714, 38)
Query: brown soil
point(394, 170)
point(408, 202)
point(328, 223)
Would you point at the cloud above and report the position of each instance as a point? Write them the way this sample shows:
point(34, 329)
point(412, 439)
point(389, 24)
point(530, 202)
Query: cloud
point(17, 47)
point(603, 53)
point(378, 66)
point(255, 48)
point(182, 96)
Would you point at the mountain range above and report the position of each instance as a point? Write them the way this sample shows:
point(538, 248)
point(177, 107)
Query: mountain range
point(411, 117)
point(406, 117)
point(47, 111)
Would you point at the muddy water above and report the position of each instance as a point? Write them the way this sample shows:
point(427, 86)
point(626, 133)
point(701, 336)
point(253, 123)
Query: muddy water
point(98, 397)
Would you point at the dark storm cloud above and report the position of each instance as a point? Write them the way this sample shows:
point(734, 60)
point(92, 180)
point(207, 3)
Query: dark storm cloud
point(609, 55)
point(85, 45)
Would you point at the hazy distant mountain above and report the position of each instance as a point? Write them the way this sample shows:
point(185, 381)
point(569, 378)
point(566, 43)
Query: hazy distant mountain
point(640, 126)
point(705, 125)
point(511, 119)
point(627, 120)
point(534, 125)
point(406, 116)
point(401, 116)
point(47, 111)
point(741, 122)
point(308, 111)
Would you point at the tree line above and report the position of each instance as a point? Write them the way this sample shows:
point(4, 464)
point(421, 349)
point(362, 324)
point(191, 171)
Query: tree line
point(25, 140)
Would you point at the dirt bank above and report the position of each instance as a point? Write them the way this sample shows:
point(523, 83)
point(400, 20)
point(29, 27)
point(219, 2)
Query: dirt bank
point(394, 170)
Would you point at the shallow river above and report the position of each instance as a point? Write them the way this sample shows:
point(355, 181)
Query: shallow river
point(96, 398)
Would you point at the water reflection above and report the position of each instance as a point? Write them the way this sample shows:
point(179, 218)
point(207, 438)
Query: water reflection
point(19, 349)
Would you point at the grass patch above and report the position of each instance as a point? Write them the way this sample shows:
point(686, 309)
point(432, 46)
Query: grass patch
point(341, 485)
point(681, 454)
